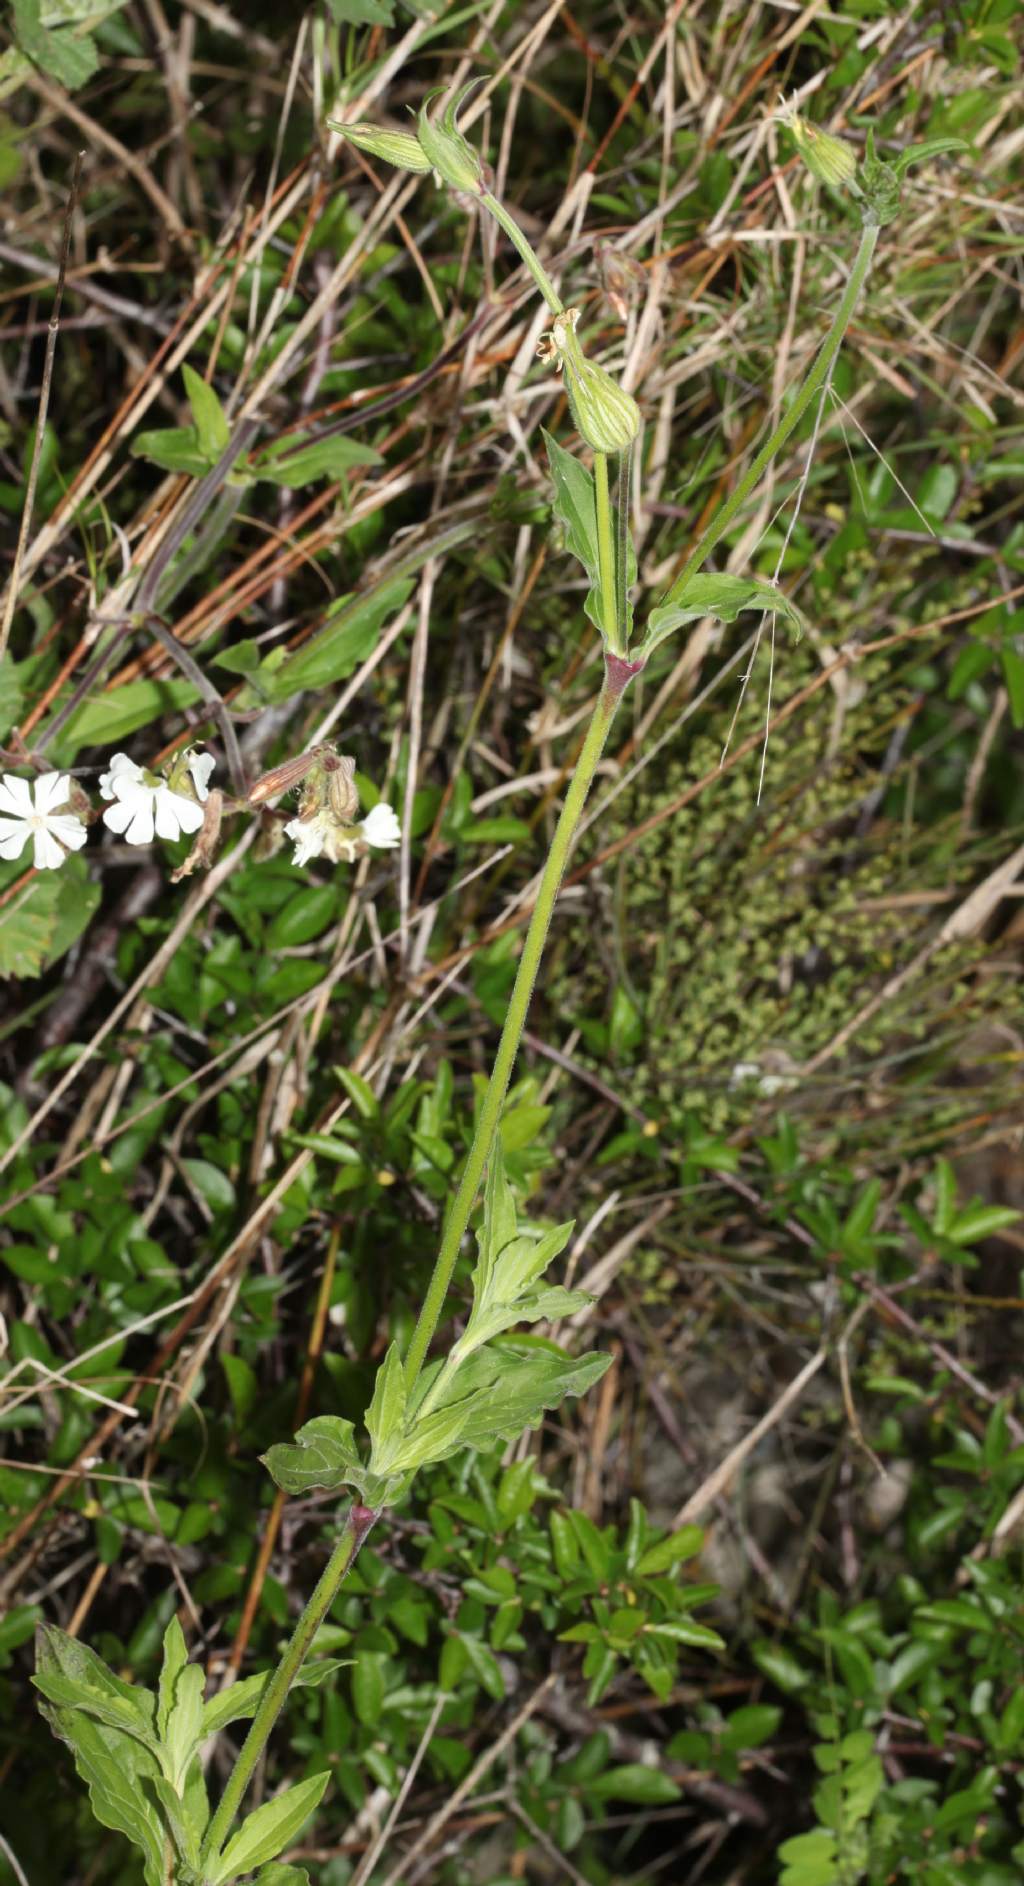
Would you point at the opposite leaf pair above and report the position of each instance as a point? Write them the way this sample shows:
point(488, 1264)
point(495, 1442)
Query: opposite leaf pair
point(139, 1755)
point(487, 1389)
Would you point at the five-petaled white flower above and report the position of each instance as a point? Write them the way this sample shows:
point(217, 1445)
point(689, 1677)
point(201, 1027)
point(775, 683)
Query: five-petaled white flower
point(323, 837)
point(140, 809)
point(32, 810)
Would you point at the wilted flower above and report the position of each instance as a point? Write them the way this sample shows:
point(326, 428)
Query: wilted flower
point(39, 811)
point(323, 835)
point(607, 417)
point(145, 805)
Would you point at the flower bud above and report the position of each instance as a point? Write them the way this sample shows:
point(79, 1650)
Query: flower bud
point(400, 148)
point(450, 155)
point(826, 157)
point(607, 417)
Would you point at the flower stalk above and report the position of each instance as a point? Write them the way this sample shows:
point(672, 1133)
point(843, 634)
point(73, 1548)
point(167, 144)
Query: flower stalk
point(617, 677)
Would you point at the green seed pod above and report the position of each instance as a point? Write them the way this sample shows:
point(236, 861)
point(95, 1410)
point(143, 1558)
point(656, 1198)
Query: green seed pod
point(450, 154)
point(607, 417)
point(400, 148)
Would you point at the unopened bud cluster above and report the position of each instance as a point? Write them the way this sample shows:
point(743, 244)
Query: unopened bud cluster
point(873, 181)
point(437, 145)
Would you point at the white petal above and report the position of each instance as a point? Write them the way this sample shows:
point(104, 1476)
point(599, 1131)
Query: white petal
point(381, 829)
point(188, 814)
point(175, 814)
point(48, 854)
point(132, 792)
point(118, 817)
point(51, 791)
point(308, 838)
point(165, 805)
point(121, 768)
point(68, 829)
point(16, 796)
point(201, 765)
point(13, 838)
point(134, 819)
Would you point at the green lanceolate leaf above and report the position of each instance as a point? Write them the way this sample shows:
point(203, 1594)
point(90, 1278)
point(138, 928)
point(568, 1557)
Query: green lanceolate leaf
point(385, 1417)
point(276, 1875)
point(117, 1769)
point(106, 718)
point(69, 57)
point(242, 1700)
point(928, 148)
point(429, 1439)
point(112, 1710)
point(28, 924)
point(174, 449)
point(180, 1705)
point(512, 1383)
point(351, 634)
point(175, 1660)
point(717, 595)
point(70, 1674)
point(575, 506)
point(512, 1259)
point(271, 1827)
point(295, 462)
point(186, 1837)
point(211, 422)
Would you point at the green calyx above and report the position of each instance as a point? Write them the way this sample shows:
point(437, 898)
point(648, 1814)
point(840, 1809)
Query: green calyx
point(826, 157)
point(448, 153)
point(400, 148)
point(606, 416)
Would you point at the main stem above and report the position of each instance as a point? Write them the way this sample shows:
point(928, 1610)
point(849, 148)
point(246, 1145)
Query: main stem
point(357, 1525)
point(813, 384)
point(617, 674)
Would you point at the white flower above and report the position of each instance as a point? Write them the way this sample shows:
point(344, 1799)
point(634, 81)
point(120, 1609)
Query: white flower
point(381, 829)
point(140, 809)
point(323, 837)
point(53, 833)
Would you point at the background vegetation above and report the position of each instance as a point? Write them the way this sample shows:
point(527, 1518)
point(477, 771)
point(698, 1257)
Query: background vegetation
point(774, 1066)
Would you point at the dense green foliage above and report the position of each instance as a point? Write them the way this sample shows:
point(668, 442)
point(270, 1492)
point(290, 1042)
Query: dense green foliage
point(773, 1067)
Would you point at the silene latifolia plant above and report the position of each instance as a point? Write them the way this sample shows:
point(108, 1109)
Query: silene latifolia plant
point(142, 1753)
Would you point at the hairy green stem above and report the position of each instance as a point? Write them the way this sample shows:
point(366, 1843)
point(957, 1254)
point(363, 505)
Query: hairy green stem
point(357, 1525)
point(617, 673)
point(816, 379)
point(622, 496)
point(606, 556)
point(519, 242)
